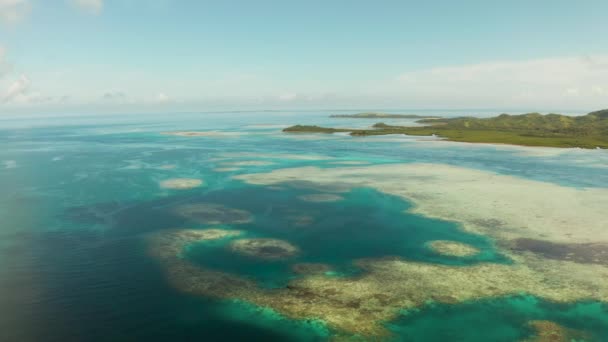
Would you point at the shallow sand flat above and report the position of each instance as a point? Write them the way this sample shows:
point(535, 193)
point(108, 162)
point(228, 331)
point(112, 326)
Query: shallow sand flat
point(452, 248)
point(266, 126)
point(274, 156)
point(503, 207)
point(247, 163)
point(181, 183)
point(226, 169)
point(167, 166)
point(350, 162)
point(202, 133)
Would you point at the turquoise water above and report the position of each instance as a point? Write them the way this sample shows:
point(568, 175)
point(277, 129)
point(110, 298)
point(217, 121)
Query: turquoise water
point(80, 193)
point(501, 319)
point(365, 224)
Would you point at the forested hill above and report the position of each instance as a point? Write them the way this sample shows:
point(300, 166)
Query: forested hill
point(594, 123)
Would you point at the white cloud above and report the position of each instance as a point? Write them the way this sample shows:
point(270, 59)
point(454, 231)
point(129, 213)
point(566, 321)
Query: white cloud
point(288, 97)
point(13, 11)
point(3, 63)
point(597, 90)
point(541, 82)
point(91, 6)
point(163, 98)
point(573, 91)
point(17, 91)
point(115, 96)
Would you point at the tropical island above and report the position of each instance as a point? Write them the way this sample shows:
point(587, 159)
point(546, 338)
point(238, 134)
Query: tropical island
point(532, 129)
point(377, 115)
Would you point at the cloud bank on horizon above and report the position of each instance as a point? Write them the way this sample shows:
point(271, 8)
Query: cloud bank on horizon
point(121, 56)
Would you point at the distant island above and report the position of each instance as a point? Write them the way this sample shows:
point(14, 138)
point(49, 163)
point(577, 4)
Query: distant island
point(375, 115)
point(532, 129)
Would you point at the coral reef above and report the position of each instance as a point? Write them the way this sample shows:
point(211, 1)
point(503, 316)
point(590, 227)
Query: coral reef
point(210, 213)
point(547, 331)
point(247, 163)
point(181, 183)
point(226, 169)
point(452, 248)
point(201, 133)
point(320, 198)
point(289, 156)
point(349, 162)
point(360, 305)
point(169, 244)
point(586, 253)
point(309, 268)
point(267, 249)
point(502, 207)
point(301, 220)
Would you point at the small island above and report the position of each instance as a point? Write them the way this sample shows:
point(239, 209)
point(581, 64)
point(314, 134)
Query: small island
point(377, 115)
point(532, 129)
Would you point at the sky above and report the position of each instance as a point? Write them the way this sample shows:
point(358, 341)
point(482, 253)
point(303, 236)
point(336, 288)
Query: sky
point(102, 56)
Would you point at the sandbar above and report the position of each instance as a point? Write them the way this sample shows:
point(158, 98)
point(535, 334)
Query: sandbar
point(181, 183)
point(452, 248)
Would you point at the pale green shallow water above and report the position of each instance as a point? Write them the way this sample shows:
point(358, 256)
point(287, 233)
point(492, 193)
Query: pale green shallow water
point(78, 194)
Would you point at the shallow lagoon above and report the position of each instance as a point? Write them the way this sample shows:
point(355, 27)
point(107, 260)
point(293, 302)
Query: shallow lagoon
point(80, 196)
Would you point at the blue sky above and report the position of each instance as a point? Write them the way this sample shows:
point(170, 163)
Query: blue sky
point(163, 55)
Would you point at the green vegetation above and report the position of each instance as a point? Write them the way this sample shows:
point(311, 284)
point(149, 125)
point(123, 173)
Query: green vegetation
point(375, 115)
point(533, 129)
point(314, 129)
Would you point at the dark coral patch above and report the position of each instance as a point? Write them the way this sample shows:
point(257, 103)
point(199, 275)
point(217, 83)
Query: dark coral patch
point(584, 253)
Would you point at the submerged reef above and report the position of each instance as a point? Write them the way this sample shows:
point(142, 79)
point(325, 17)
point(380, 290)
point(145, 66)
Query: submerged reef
point(181, 183)
point(201, 133)
point(282, 156)
point(452, 248)
point(226, 169)
point(586, 253)
point(210, 213)
point(170, 244)
point(309, 268)
point(247, 163)
point(349, 162)
point(301, 220)
point(547, 331)
point(320, 198)
point(267, 249)
point(296, 183)
point(501, 207)
point(360, 305)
